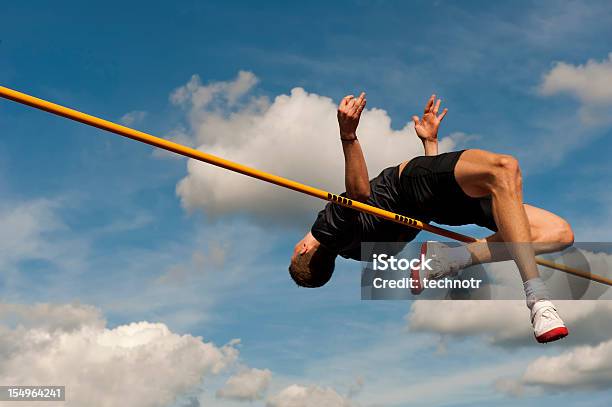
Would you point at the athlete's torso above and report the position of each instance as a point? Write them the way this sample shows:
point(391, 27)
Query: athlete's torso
point(342, 230)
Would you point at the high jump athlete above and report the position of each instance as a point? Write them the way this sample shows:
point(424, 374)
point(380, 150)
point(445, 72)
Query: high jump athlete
point(456, 188)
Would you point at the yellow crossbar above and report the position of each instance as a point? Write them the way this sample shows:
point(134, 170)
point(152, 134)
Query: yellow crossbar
point(255, 173)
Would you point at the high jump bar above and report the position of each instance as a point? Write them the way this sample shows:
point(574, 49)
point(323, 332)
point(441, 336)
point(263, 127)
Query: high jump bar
point(177, 148)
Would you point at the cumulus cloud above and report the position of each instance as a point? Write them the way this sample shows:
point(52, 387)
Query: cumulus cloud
point(133, 117)
point(295, 135)
point(246, 385)
point(471, 318)
point(590, 83)
point(584, 305)
point(582, 368)
point(140, 364)
point(507, 322)
point(201, 96)
point(311, 396)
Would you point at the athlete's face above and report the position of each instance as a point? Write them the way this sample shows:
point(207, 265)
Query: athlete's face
point(307, 244)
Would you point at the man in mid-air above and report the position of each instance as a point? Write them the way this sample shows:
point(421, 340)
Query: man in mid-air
point(455, 188)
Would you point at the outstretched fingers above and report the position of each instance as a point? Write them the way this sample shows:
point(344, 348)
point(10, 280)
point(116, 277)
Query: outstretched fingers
point(442, 114)
point(430, 104)
point(437, 106)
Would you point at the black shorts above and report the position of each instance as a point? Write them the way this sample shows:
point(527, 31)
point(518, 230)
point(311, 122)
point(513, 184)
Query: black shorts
point(428, 186)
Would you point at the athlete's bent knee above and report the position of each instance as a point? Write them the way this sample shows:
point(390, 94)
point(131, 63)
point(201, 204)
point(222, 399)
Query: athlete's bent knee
point(506, 173)
point(564, 234)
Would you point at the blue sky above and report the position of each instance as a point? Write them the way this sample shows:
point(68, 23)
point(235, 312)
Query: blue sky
point(97, 219)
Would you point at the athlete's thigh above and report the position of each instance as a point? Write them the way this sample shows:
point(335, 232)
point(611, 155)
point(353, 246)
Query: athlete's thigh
point(473, 172)
point(545, 225)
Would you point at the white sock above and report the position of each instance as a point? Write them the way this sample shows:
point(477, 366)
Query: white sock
point(535, 290)
point(459, 255)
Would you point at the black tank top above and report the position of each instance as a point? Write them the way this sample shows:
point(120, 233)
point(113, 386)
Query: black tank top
point(342, 230)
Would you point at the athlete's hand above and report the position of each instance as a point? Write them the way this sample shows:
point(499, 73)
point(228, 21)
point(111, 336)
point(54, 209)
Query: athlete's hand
point(349, 112)
point(427, 126)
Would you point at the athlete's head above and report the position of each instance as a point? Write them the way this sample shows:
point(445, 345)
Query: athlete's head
point(312, 265)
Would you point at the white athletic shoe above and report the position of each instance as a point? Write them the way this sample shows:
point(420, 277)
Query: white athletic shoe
point(441, 265)
point(547, 324)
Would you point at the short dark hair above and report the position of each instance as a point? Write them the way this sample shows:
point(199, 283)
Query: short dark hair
point(313, 269)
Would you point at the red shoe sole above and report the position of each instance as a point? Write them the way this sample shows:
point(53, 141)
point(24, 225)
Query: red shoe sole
point(553, 335)
point(414, 274)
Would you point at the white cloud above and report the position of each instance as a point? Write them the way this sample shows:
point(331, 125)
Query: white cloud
point(22, 229)
point(52, 317)
point(507, 322)
point(582, 368)
point(246, 385)
point(25, 235)
point(590, 83)
point(133, 117)
point(140, 364)
point(584, 305)
point(294, 136)
point(311, 396)
point(498, 320)
point(201, 96)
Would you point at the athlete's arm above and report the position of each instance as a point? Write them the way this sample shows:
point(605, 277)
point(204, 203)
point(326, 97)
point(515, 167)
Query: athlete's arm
point(427, 126)
point(356, 177)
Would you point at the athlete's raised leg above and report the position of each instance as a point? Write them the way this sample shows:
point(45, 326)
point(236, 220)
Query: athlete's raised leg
point(549, 233)
point(481, 173)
